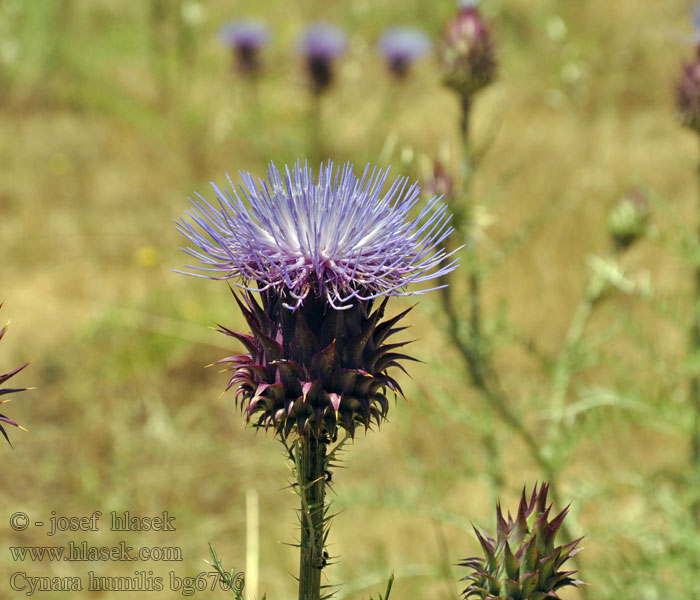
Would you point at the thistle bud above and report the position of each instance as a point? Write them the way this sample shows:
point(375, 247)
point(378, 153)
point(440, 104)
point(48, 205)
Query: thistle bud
point(522, 562)
point(320, 45)
point(438, 181)
point(688, 84)
point(628, 219)
point(467, 54)
point(245, 39)
point(688, 94)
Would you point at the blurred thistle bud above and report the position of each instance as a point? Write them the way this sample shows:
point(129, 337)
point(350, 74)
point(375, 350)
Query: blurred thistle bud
point(466, 53)
point(438, 181)
point(313, 255)
point(245, 38)
point(688, 84)
point(401, 47)
point(320, 45)
point(522, 563)
point(4, 391)
point(628, 219)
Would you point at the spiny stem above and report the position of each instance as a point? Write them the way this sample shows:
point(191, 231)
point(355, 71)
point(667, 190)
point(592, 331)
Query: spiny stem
point(310, 461)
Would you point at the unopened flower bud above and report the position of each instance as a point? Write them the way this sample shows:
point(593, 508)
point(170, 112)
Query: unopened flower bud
point(438, 181)
point(522, 561)
point(688, 84)
point(628, 219)
point(467, 54)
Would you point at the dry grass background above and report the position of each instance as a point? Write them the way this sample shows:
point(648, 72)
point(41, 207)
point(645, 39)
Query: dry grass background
point(109, 120)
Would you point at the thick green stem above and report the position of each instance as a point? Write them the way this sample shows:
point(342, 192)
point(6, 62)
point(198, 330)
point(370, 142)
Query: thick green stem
point(310, 459)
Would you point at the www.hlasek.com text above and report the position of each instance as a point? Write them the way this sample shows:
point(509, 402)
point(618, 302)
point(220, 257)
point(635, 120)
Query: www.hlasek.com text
point(82, 551)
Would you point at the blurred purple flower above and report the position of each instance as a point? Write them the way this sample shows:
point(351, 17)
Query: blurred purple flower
point(321, 44)
point(245, 38)
point(401, 46)
point(338, 238)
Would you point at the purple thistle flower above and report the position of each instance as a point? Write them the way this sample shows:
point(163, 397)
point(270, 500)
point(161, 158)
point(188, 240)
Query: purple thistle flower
point(317, 252)
point(401, 46)
point(245, 38)
point(339, 237)
point(321, 44)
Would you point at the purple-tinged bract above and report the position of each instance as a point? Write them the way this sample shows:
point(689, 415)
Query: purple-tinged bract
point(245, 38)
point(401, 46)
point(4, 391)
point(467, 54)
point(321, 44)
point(339, 237)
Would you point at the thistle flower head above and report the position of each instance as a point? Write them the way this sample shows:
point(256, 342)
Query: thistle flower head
point(467, 54)
point(339, 237)
point(312, 256)
point(320, 45)
point(4, 391)
point(401, 46)
point(522, 562)
point(245, 38)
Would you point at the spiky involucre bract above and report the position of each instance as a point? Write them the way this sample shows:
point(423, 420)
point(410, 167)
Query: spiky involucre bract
point(314, 370)
point(522, 562)
point(4, 391)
